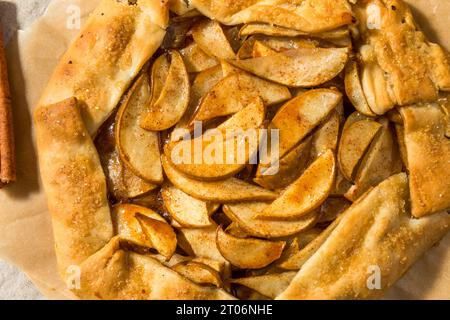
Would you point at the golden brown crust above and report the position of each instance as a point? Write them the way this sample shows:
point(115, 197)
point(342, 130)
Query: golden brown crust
point(428, 153)
point(110, 50)
point(420, 68)
point(74, 183)
point(310, 16)
point(114, 273)
point(376, 234)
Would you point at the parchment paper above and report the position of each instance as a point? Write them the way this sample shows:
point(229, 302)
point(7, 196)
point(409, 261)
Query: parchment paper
point(25, 228)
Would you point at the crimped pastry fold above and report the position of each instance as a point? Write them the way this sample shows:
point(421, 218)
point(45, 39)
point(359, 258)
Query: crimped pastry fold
point(74, 183)
point(311, 16)
point(399, 65)
point(115, 273)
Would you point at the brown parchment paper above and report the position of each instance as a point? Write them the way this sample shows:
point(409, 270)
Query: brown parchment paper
point(25, 228)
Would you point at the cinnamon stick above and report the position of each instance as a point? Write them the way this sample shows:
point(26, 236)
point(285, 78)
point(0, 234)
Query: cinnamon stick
point(7, 152)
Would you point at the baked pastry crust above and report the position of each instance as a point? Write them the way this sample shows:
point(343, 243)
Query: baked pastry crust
point(428, 153)
point(74, 182)
point(311, 16)
point(116, 273)
point(420, 68)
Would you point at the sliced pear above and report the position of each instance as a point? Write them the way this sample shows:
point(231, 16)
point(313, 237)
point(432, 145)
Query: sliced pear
point(228, 69)
point(244, 215)
point(229, 190)
point(160, 234)
point(261, 50)
point(311, 108)
point(327, 135)
point(375, 88)
point(236, 231)
point(235, 91)
point(127, 226)
point(354, 90)
point(223, 152)
point(248, 253)
point(209, 36)
point(167, 109)
point(159, 74)
point(381, 161)
point(200, 243)
point(270, 285)
point(275, 31)
point(356, 139)
point(354, 117)
point(281, 174)
point(278, 44)
point(199, 273)
point(307, 193)
point(138, 148)
point(122, 182)
point(196, 60)
point(203, 83)
point(186, 210)
point(304, 67)
point(132, 186)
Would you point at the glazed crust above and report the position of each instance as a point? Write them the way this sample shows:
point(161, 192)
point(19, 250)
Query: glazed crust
point(428, 153)
point(376, 232)
point(110, 50)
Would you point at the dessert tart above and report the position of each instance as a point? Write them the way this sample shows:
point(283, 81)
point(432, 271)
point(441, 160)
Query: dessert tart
point(250, 149)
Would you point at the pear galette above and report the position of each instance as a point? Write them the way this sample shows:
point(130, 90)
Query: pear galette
point(328, 123)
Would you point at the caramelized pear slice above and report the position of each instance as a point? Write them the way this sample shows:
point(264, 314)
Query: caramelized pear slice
point(248, 253)
point(229, 190)
point(168, 108)
point(304, 67)
point(307, 193)
point(235, 91)
point(132, 140)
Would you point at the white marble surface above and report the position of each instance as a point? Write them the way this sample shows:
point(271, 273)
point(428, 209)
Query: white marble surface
point(18, 14)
